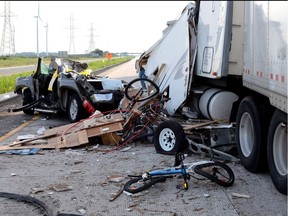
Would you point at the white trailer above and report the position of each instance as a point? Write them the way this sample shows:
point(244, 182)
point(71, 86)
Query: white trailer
point(228, 60)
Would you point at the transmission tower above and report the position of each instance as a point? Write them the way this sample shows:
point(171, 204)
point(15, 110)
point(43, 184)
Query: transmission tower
point(71, 45)
point(7, 41)
point(91, 43)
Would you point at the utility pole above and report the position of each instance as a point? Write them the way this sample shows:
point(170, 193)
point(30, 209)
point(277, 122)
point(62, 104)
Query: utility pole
point(71, 45)
point(46, 38)
point(37, 27)
point(8, 39)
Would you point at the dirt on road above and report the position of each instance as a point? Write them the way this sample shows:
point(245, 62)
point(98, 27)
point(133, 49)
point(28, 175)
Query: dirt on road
point(86, 181)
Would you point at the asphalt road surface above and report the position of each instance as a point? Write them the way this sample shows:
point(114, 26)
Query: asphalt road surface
point(13, 70)
point(85, 181)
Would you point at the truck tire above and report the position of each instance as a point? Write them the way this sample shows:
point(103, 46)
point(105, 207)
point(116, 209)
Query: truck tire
point(277, 151)
point(75, 109)
point(252, 123)
point(27, 99)
point(169, 138)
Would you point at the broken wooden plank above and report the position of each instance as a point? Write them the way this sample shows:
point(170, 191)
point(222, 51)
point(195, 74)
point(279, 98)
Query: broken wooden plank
point(56, 140)
point(73, 140)
point(29, 140)
point(97, 131)
point(6, 147)
point(189, 127)
point(73, 127)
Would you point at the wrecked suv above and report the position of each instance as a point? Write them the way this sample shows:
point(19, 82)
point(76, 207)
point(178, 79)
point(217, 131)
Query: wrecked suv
point(67, 86)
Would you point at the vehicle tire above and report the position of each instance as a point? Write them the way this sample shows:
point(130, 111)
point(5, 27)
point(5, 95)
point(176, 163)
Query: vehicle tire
point(27, 99)
point(75, 109)
point(136, 185)
point(169, 138)
point(252, 122)
point(217, 172)
point(277, 151)
point(153, 90)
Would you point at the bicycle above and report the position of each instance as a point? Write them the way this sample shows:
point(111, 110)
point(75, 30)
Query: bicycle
point(216, 171)
point(141, 108)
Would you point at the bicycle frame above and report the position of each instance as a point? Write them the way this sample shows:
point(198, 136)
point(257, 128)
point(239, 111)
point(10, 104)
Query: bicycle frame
point(183, 169)
point(147, 179)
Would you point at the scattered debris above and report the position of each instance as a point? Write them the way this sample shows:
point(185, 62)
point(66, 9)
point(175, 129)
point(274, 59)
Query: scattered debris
point(21, 152)
point(45, 118)
point(126, 149)
point(61, 187)
point(197, 209)
point(41, 131)
point(117, 194)
point(37, 190)
point(73, 135)
point(24, 137)
point(116, 178)
point(78, 162)
point(75, 171)
point(82, 211)
point(237, 195)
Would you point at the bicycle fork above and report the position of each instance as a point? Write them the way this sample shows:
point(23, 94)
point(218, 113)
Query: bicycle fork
point(186, 177)
point(179, 161)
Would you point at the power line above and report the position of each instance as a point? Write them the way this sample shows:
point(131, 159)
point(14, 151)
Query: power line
point(92, 42)
point(8, 39)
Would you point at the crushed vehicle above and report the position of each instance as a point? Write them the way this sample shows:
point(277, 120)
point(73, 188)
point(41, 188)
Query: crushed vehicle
point(68, 86)
point(225, 61)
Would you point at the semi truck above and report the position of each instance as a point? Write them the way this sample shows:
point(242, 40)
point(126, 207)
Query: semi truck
point(228, 60)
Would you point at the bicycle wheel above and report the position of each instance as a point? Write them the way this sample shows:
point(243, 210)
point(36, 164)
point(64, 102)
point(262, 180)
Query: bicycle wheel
point(217, 172)
point(136, 185)
point(133, 90)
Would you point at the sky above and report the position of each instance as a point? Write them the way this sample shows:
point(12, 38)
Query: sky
point(117, 26)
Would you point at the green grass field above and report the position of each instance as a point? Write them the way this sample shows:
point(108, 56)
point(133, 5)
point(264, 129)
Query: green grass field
point(18, 61)
point(22, 61)
point(7, 83)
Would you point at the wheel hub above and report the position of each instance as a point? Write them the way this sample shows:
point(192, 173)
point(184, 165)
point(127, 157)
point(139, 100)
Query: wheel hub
point(167, 139)
point(246, 134)
point(73, 109)
point(280, 149)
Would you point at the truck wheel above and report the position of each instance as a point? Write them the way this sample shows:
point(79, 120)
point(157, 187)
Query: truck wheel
point(27, 99)
point(169, 138)
point(75, 108)
point(277, 151)
point(251, 133)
